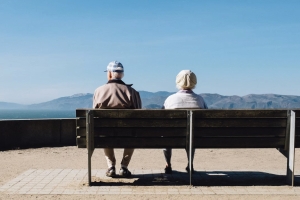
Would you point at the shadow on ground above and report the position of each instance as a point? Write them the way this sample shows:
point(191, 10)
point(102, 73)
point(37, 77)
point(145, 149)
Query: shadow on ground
point(208, 178)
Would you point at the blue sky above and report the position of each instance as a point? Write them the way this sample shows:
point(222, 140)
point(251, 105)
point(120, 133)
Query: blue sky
point(55, 48)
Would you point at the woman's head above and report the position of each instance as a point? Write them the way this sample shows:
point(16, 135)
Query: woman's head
point(186, 80)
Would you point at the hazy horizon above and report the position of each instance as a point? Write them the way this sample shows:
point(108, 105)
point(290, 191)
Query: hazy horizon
point(138, 91)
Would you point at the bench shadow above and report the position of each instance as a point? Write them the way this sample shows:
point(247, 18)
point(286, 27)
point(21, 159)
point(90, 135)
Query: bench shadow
point(207, 178)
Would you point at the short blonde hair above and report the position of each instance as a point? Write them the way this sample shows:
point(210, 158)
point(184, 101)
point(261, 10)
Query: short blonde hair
point(186, 80)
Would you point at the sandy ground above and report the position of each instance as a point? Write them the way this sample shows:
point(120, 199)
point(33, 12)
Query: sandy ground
point(14, 162)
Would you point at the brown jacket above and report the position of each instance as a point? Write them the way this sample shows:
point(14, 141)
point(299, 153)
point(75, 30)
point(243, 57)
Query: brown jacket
point(116, 94)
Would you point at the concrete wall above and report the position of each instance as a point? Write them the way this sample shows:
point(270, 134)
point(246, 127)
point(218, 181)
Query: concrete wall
point(37, 133)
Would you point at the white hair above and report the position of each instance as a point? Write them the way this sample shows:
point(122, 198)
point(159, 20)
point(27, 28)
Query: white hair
point(117, 75)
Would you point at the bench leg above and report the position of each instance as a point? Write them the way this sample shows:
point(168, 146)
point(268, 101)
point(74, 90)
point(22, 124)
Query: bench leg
point(191, 147)
point(90, 143)
point(291, 151)
point(89, 168)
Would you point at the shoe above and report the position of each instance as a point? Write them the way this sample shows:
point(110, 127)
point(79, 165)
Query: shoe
point(187, 169)
point(168, 170)
point(124, 172)
point(111, 172)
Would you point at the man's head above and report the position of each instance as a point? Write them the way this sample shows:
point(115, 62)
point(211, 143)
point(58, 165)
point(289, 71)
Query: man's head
point(115, 70)
point(186, 80)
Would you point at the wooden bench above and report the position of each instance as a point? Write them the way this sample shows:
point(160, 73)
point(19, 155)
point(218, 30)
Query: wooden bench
point(115, 128)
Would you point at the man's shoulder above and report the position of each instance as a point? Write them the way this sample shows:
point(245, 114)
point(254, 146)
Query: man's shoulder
point(101, 87)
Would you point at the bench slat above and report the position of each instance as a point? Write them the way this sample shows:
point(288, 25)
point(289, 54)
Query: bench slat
point(100, 122)
point(81, 113)
point(146, 132)
point(137, 142)
point(239, 113)
point(133, 113)
point(240, 122)
point(239, 132)
point(239, 142)
point(298, 122)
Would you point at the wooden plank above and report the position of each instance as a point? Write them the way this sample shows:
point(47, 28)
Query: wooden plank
point(240, 122)
point(297, 131)
point(139, 113)
point(297, 112)
point(180, 142)
point(79, 143)
point(145, 132)
point(81, 113)
point(242, 142)
point(182, 113)
point(137, 122)
point(297, 122)
point(240, 113)
point(136, 142)
point(239, 132)
point(132, 113)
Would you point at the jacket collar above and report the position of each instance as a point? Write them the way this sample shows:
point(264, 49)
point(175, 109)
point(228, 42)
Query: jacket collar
point(118, 81)
point(186, 91)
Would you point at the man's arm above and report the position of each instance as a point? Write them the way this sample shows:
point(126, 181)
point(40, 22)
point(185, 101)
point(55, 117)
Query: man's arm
point(138, 100)
point(95, 100)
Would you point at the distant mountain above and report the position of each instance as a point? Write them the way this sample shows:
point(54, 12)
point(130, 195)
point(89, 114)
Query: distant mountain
point(6, 105)
point(83, 100)
point(252, 101)
point(145, 94)
point(155, 100)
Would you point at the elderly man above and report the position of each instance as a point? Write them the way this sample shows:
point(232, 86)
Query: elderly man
point(186, 80)
point(117, 95)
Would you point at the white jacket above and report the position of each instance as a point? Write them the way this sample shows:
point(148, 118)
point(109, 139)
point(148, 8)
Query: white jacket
point(185, 99)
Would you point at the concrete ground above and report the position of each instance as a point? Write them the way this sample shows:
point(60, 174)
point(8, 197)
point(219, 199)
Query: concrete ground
point(61, 173)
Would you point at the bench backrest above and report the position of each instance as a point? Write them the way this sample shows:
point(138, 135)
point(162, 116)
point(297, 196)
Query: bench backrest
point(240, 128)
point(171, 128)
point(139, 128)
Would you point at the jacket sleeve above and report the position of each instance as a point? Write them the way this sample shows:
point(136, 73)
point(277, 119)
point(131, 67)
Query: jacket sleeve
point(94, 101)
point(138, 101)
point(205, 106)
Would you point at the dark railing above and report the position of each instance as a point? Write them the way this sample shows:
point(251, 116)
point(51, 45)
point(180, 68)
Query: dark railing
point(15, 134)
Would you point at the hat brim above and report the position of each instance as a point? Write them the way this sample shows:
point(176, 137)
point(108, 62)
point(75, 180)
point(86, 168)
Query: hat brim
point(114, 71)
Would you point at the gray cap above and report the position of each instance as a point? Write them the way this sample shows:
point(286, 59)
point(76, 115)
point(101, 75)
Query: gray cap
point(114, 66)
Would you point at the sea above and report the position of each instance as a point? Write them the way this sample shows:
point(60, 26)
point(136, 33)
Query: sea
point(7, 114)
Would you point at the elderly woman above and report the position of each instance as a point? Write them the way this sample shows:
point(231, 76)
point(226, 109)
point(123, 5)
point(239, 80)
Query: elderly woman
point(186, 80)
